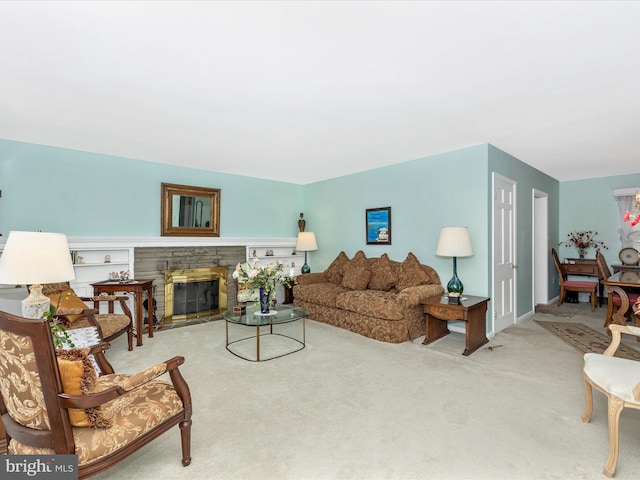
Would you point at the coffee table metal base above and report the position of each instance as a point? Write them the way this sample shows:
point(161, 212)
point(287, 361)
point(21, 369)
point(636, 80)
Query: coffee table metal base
point(258, 336)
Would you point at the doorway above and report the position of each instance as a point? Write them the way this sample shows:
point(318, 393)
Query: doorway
point(540, 242)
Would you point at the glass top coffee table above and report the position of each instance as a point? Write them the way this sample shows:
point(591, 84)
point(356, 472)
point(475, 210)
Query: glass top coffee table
point(273, 334)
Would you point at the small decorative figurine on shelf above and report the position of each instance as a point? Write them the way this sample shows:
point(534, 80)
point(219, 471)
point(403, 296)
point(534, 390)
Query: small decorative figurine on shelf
point(107, 259)
point(302, 222)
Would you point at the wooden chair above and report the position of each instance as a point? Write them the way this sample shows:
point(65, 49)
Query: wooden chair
point(573, 285)
point(127, 411)
point(613, 300)
point(617, 378)
point(79, 315)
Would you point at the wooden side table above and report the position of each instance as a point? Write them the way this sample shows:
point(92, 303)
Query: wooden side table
point(625, 268)
point(584, 267)
point(472, 310)
point(137, 287)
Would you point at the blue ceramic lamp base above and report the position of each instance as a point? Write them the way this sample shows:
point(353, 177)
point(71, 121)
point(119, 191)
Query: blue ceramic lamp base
point(455, 285)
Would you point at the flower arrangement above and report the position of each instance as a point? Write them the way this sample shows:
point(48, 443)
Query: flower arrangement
point(632, 221)
point(583, 241)
point(255, 275)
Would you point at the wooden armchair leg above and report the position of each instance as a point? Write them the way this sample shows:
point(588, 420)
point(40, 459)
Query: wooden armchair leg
point(130, 337)
point(615, 406)
point(561, 297)
point(588, 393)
point(185, 434)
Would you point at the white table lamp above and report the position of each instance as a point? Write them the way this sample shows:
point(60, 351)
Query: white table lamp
point(306, 243)
point(34, 258)
point(454, 242)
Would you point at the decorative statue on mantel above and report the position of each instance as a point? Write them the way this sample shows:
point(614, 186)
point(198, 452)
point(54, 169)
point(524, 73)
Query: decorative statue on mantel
point(302, 222)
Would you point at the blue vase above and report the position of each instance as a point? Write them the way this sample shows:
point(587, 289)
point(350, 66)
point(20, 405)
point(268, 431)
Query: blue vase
point(264, 300)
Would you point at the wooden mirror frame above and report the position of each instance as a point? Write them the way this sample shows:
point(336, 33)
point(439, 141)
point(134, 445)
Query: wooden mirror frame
point(170, 230)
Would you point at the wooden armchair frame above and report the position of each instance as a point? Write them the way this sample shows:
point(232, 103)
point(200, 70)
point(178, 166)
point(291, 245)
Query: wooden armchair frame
point(61, 437)
point(614, 299)
point(93, 317)
point(602, 369)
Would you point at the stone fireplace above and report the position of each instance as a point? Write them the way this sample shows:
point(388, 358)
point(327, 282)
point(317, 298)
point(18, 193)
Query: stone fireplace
point(153, 262)
point(194, 293)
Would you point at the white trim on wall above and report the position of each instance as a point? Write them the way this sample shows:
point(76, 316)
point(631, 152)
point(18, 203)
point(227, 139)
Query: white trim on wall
point(126, 242)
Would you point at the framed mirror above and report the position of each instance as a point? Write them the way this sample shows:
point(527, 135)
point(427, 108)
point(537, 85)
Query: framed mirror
point(190, 211)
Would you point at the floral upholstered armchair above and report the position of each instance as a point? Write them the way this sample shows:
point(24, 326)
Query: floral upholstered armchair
point(77, 314)
point(53, 402)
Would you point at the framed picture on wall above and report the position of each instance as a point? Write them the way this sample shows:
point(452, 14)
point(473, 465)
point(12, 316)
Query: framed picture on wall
point(378, 224)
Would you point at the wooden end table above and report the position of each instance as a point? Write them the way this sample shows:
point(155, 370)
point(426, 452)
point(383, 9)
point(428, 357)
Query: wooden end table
point(472, 310)
point(137, 287)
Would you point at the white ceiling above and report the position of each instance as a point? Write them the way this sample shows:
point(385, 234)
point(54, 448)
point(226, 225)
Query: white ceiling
point(305, 91)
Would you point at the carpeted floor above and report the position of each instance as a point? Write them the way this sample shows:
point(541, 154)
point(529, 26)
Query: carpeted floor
point(585, 339)
point(348, 407)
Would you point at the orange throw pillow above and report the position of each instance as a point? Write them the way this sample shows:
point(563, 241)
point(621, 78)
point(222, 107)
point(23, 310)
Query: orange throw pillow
point(78, 378)
point(68, 304)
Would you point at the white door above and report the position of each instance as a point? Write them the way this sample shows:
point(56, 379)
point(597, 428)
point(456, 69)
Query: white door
point(504, 267)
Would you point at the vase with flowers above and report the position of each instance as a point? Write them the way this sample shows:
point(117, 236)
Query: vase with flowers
point(261, 277)
point(583, 241)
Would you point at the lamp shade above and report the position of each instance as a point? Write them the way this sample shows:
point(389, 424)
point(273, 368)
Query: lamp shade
point(36, 257)
point(454, 242)
point(306, 242)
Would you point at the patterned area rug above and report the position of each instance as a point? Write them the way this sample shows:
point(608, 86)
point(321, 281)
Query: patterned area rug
point(586, 339)
point(561, 311)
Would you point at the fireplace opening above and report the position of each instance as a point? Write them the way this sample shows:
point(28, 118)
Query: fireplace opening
point(195, 293)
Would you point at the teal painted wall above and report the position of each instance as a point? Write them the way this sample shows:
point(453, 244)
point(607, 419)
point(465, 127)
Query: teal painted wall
point(527, 179)
point(590, 205)
point(86, 194)
point(448, 189)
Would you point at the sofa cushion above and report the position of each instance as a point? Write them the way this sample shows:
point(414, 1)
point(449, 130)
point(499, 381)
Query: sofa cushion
point(335, 271)
point(383, 274)
point(356, 278)
point(371, 303)
point(319, 293)
point(411, 273)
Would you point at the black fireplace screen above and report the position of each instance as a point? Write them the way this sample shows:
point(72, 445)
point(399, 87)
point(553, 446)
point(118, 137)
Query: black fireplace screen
point(194, 293)
point(195, 297)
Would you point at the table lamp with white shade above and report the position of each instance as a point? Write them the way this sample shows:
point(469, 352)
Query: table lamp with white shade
point(306, 243)
point(34, 258)
point(454, 242)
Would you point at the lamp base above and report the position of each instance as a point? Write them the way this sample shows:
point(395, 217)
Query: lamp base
point(455, 285)
point(305, 268)
point(36, 304)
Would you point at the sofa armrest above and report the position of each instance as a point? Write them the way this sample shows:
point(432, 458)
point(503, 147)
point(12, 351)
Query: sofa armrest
point(412, 296)
point(310, 278)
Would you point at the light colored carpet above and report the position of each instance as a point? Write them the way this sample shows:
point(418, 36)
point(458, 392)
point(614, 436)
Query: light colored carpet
point(348, 407)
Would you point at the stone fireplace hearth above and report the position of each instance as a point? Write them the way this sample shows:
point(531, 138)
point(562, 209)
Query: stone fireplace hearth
point(153, 262)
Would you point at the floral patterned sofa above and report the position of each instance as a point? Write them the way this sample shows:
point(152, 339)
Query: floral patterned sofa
point(375, 297)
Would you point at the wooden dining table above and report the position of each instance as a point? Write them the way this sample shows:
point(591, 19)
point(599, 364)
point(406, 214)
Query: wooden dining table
point(621, 282)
